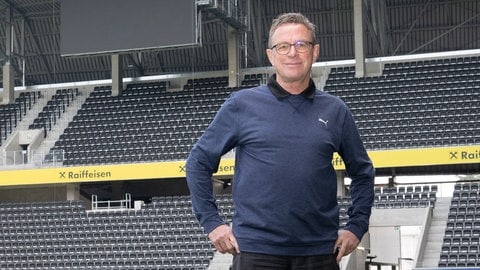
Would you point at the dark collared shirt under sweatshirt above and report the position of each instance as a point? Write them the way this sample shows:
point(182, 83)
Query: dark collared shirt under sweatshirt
point(285, 186)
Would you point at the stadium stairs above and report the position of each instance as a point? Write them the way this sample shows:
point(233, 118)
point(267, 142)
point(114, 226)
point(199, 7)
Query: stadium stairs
point(37, 107)
point(54, 134)
point(436, 230)
point(220, 261)
point(27, 118)
point(12, 114)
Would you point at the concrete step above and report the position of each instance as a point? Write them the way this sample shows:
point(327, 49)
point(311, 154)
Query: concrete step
point(436, 232)
point(220, 261)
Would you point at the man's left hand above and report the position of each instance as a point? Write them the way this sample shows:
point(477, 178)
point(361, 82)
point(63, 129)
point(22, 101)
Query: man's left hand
point(346, 243)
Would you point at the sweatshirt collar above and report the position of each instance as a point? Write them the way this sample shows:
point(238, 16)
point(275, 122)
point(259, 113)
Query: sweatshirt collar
point(280, 93)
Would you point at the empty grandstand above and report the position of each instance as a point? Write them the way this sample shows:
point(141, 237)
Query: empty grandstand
point(74, 141)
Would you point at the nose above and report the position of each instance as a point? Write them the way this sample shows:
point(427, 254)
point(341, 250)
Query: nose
point(293, 51)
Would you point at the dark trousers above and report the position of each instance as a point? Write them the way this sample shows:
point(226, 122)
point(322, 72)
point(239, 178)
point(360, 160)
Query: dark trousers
point(255, 261)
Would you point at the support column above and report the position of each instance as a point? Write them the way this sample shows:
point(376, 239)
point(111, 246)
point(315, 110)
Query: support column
point(8, 76)
point(359, 40)
point(233, 57)
point(72, 192)
point(117, 79)
point(8, 84)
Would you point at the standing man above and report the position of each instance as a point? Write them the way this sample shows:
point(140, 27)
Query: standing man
point(285, 187)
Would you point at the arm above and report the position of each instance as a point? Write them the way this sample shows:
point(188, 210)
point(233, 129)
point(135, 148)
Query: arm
point(203, 161)
point(360, 169)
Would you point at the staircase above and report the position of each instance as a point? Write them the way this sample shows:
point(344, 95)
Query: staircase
point(220, 261)
point(62, 123)
point(436, 231)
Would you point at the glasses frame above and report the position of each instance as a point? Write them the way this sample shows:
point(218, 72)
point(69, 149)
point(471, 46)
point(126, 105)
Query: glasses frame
point(309, 43)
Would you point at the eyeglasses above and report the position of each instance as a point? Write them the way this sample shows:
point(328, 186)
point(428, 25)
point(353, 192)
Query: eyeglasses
point(300, 46)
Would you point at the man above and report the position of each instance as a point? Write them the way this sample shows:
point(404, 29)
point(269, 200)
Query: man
point(285, 187)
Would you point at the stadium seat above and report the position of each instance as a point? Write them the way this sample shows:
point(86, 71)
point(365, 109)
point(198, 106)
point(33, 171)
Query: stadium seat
point(71, 238)
point(428, 100)
point(127, 114)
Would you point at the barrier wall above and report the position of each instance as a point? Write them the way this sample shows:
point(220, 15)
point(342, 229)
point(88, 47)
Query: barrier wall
point(176, 169)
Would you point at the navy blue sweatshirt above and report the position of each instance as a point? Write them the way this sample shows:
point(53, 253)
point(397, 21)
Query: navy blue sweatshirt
point(285, 186)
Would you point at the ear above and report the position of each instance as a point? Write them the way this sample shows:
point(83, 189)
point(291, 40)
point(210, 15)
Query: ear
point(316, 52)
point(271, 57)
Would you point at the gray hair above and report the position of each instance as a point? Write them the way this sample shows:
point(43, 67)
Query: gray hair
point(291, 18)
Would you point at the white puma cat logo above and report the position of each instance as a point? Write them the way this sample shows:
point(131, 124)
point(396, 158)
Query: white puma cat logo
point(323, 121)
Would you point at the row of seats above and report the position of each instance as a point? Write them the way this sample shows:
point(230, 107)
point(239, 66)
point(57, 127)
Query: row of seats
point(63, 235)
point(399, 194)
point(389, 114)
point(171, 131)
point(461, 241)
point(163, 234)
point(413, 106)
point(405, 196)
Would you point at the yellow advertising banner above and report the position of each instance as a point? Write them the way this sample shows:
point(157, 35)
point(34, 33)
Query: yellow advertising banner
point(176, 169)
point(93, 173)
point(420, 157)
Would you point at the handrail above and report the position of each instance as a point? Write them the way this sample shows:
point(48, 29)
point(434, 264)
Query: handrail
point(112, 204)
point(27, 157)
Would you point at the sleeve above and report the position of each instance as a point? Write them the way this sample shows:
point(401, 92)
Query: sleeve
point(219, 138)
point(362, 173)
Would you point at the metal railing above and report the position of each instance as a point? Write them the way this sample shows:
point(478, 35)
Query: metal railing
point(230, 10)
point(125, 203)
point(9, 159)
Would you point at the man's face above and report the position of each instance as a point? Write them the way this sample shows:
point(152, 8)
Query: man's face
point(293, 67)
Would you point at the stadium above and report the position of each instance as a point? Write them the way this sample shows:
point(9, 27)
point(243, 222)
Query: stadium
point(97, 119)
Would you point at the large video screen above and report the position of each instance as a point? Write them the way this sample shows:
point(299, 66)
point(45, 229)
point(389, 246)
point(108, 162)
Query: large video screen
point(106, 26)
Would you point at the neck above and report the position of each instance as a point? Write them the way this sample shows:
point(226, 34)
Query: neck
point(294, 87)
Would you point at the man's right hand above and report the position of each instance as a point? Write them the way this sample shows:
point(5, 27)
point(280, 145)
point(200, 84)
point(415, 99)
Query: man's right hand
point(223, 239)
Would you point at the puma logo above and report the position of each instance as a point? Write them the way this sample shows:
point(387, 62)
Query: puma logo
point(323, 121)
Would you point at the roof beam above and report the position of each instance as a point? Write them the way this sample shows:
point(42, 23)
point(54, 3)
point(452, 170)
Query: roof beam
point(35, 44)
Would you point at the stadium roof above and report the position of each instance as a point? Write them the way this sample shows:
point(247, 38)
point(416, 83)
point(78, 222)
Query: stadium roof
point(392, 27)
